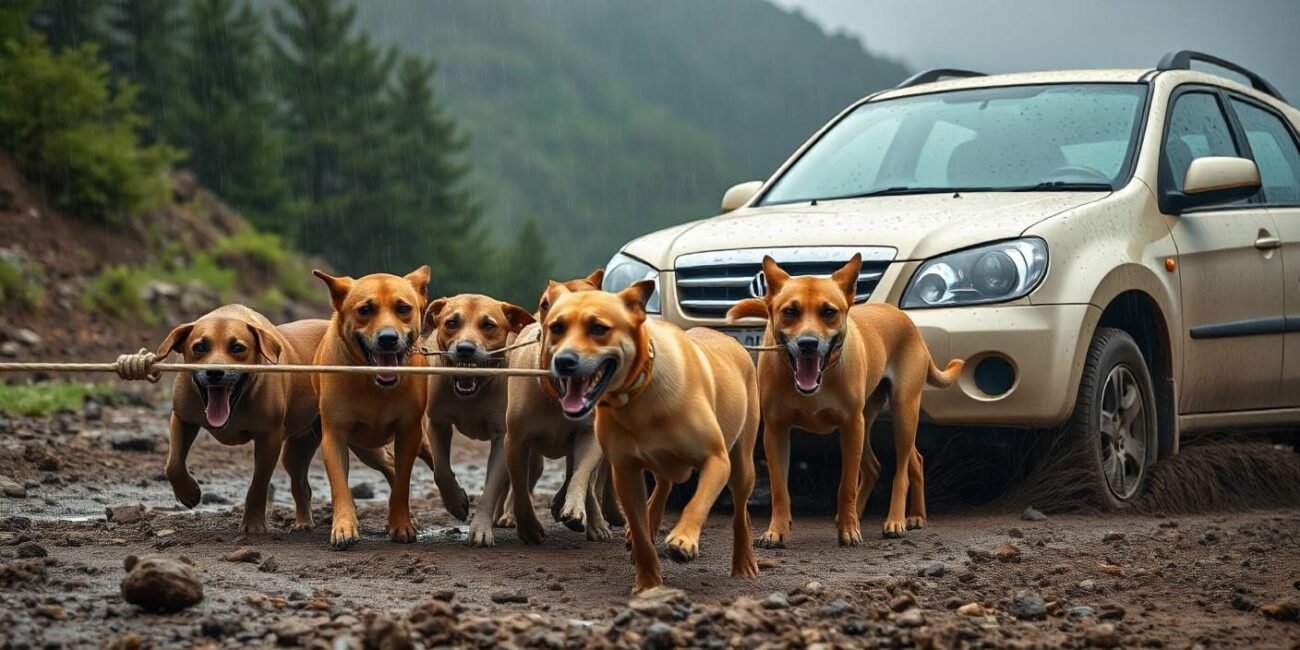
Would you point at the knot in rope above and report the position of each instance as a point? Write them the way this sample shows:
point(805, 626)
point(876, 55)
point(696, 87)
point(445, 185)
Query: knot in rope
point(135, 367)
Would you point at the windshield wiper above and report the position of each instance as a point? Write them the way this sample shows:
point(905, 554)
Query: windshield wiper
point(906, 189)
point(1063, 186)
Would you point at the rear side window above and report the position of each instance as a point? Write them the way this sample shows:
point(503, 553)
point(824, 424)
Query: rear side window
point(1197, 128)
point(1275, 152)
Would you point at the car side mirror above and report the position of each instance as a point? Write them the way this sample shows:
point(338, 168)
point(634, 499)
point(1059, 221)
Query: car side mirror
point(1216, 180)
point(739, 195)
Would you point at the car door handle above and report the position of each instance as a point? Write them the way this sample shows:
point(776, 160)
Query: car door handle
point(1267, 242)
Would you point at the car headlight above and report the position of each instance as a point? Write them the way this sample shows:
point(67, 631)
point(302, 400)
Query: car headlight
point(993, 273)
point(624, 270)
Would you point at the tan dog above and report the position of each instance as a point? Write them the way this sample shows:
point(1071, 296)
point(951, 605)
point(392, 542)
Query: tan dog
point(537, 428)
point(376, 323)
point(277, 412)
point(863, 356)
point(669, 402)
point(467, 329)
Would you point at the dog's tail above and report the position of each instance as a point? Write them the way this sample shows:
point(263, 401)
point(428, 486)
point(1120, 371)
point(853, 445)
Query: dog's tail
point(944, 378)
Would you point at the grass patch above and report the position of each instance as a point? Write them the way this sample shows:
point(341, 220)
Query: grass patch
point(116, 292)
point(37, 400)
point(16, 289)
point(268, 254)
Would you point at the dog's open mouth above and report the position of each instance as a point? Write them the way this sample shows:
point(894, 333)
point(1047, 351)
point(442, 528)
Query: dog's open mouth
point(808, 370)
point(579, 395)
point(220, 399)
point(465, 387)
point(384, 359)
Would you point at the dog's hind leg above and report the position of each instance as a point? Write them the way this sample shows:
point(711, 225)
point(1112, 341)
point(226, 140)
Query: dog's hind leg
point(629, 481)
point(557, 501)
point(453, 495)
point(378, 459)
point(266, 451)
point(741, 484)
point(494, 487)
point(870, 464)
point(180, 440)
point(683, 542)
point(906, 412)
point(852, 440)
point(527, 527)
point(296, 459)
point(916, 516)
point(575, 514)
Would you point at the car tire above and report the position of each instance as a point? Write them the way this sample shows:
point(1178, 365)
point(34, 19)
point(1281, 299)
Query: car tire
point(1114, 425)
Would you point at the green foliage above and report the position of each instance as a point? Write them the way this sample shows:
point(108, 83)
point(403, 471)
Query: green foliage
point(39, 400)
point(74, 136)
point(68, 23)
point(16, 289)
point(524, 268)
point(275, 264)
point(116, 292)
point(142, 45)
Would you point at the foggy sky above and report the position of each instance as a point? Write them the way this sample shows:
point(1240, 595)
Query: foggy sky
point(1004, 36)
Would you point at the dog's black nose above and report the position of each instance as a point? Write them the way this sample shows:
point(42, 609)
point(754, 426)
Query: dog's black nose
point(464, 350)
point(388, 339)
point(214, 375)
point(566, 363)
point(808, 344)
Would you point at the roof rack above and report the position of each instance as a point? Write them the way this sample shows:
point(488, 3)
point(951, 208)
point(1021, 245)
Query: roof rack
point(1182, 60)
point(928, 76)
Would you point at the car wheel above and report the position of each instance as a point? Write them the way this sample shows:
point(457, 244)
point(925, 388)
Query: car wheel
point(1114, 422)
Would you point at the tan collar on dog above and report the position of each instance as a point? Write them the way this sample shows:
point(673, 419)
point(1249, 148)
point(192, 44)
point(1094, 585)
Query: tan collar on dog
point(640, 381)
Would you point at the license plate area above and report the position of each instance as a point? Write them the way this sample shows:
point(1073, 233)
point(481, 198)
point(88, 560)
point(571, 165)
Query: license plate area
point(750, 336)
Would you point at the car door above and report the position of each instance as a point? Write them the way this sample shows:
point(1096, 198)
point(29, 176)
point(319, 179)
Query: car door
point(1273, 147)
point(1230, 266)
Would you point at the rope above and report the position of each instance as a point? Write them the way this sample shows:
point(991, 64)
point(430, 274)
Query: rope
point(432, 353)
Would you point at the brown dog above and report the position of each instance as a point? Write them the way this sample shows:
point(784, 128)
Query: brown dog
point(376, 323)
point(467, 329)
point(864, 356)
point(666, 401)
point(275, 411)
point(537, 428)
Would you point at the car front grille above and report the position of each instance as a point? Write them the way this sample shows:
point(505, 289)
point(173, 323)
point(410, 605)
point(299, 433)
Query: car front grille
point(708, 284)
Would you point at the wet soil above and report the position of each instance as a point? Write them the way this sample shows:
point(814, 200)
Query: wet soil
point(974, 577)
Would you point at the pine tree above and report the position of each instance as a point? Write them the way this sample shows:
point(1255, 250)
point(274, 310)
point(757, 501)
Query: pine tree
point(332, 83)
point(229, 113)
point(524, 269)
point(144, 47)
point(68, 23)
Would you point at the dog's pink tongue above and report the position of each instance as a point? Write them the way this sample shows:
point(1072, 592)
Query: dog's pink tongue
point(806, 372)
point(387, 360)
point(575, 394)
point(218, 410)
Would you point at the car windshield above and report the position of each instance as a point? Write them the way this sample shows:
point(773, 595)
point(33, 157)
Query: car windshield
point(1046, 137)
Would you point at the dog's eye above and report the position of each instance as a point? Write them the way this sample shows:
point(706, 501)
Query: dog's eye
point(451, 324)
point(829, 312)
point(488, 325)
point(237, 348)
point(557, 328)
point(366, 309)
point(200, 348)
point(403, 309)
point(789, 312)
point(596, 329)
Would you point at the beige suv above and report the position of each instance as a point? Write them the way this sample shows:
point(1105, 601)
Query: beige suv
point(1115, 252)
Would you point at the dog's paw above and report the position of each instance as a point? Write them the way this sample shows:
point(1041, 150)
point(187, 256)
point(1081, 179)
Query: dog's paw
point(850, 531)
point(530, 531)
point(914, 523)
point(681, 549)
point(574, 518)
point(253, 524)
point(557, 505)
point(646, 581)
point(481, 536)
point(506, 520)
point(743, 565)
point(894, 528)
point(187, 491)
point(344, 535)
point(402, 532)
point(599, 531)
point(457, 504)
point(773, 539)
point(303, 525)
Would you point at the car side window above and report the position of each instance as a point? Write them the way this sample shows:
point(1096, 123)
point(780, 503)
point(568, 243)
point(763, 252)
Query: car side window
point(1197, 128)
point(1274, 149)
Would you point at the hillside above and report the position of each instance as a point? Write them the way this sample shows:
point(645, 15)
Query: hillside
point(604, 120)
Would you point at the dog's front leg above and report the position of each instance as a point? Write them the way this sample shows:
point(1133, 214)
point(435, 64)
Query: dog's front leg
point(852, 438)
point(906, 415)
point(454, 498)
point(527, 527)
point(776, 446)
point(629, 483)
point(266, 451)
point(557, 501)
point(180, 439)
point(480, 528)
point(683, 543)
point(916, 517)
point(344, 531)
point(401, 526)
point(296, 459)
point(587, 452)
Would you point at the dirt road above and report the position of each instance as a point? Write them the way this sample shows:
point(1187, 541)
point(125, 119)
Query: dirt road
point(970, 579)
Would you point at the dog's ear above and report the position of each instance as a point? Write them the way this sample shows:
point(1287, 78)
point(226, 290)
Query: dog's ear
point(431, 314)
point(596, 277)
point(419, 279)
point(270, 344)
point(517, 316)
point(847, 277)
point(552, 292)
point(636, 296)
point(748, 308)
point(175, 340)
point(339, 287)
point(776, 276)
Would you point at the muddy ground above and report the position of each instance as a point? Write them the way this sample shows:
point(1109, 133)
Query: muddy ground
point(974, 577)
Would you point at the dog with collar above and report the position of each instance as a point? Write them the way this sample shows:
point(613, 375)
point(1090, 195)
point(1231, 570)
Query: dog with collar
point(469, 330)
point(838, 366)
point(667, 402)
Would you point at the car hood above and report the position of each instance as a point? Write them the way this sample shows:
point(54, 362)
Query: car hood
point(917, 226)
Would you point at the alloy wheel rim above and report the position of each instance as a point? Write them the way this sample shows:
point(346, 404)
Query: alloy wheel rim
point(1123, 432)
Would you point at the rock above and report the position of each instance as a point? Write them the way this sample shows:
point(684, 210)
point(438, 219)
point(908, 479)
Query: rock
point(1005, 552)
point(658, 602)
point(1111, 570)
point(1102, 636)
point(434, 619)
point(936, 570)
point(52, 612)
point(660, 635)
point(776, 600)
point(1286, 609)
point(158, 291)
point(1088, 585)
point(1113, 537)
point(213, 498)
point(132, 442)
point(16, 523)
point(31, 550)
point(1111, 612)
point(291, 632)
point(1082, 611)
point(972, 609)
point(10, 349)
point(12, 489)
point(1028, 607)
point(220, 628)
point(815, 587)
point(978, 555)
point(160, 584)
point(1016, 533)
point(503, 597)
point(911, 618)
point(1030, 514)
point(92, 410)
point(834, 608)
point(124, 514)
point(26, 337)
point(269, 565)
point(384, 633)
point(1207, 538)
point(903, 602)
point(244, 554)
point(363, 491)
